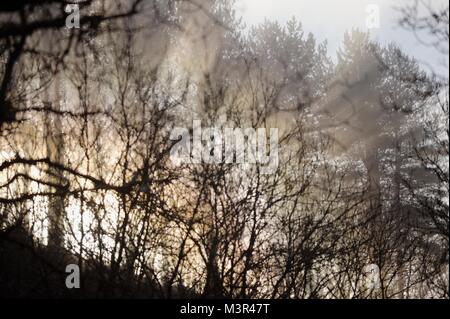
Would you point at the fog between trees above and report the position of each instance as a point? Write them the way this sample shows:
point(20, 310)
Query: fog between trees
point(356, 208)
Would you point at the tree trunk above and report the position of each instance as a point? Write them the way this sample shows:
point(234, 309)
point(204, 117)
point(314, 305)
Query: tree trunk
point(55, 148)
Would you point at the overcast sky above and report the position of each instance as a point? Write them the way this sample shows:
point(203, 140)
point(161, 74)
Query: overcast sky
point(329, 19)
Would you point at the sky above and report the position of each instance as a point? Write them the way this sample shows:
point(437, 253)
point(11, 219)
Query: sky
point(329, 19)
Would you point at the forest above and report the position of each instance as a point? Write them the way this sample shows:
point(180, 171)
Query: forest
point(168, 150)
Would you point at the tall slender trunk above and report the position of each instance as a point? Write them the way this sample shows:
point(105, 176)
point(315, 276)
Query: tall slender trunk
point(397, 207)
point(55, 149)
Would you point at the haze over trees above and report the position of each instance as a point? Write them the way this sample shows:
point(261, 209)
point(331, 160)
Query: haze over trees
point(356, 208)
